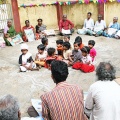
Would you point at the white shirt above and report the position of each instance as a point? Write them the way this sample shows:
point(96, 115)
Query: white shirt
point(67, 53)
point(104, 98)
point(87, 59)
point(42, 56)
point(89, 24)
point(25, 57)
point(99, 26)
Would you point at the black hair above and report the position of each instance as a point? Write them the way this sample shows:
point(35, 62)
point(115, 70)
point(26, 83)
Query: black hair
point(44, 40)
point(89, 13)
point(40, 20)
point(68, 36)
point(86, 49)
point(77, 43)
point(91, 42)
point(67, 45)
point(105, 72)
point(78, 39)
point(41, 47)
point(59, 71)
point(27, 21)
point(50, 51)
point(59, 42)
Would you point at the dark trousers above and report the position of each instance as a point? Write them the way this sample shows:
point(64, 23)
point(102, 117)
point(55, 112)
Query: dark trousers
point(32, 112)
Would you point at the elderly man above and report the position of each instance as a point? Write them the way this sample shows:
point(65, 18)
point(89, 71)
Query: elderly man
point(10, 110)
point(88, 25)
point(65, 101)
point(99, 27)
point(66, 26)
point(103, 100)
point(112, 28)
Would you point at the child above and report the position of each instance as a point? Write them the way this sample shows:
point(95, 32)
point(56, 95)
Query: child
point(41, 55)
point(25, 59)
point(86, 64)
point(78, 39)
point(86, 59)
point(60, 48)
point(66, 38)
point(93, 52)
point(67, 52)
point(51, 56)
point(44, 41)
point(76, 53)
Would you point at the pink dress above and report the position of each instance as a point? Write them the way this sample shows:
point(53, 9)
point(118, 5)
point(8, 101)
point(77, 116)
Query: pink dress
point(93, 53)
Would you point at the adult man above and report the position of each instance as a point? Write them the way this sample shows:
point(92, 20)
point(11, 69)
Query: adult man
point(103, 100)
point(88, 25)
point(100, 26)
point(65, 101)
point(112, 28)
point(10, 110)
point(66, 26)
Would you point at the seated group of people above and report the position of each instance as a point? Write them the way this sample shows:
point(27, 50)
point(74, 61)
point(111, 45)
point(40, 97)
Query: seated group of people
point(67, 27)
point(9, 31)
point(89, 28)
point(80, 57)
point(66, 101)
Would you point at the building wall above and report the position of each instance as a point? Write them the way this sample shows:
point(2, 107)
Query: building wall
point(48, 14)
point(78, 12)
point(112, 9)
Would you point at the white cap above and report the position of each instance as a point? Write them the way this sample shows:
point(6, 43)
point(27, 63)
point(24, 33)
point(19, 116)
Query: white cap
point(24, 46)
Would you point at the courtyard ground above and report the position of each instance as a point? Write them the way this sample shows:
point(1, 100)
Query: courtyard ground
point(28, 85)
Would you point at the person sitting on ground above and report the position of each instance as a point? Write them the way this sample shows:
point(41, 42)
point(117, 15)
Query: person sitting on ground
point(50, 57)
point(26, 27)
point(60, 49)
point(88, 25)
point(78, 39)
point(40, 28)
point(66, 24)
point(99, 27)
point(76, 53)
point(112, 29)
point(91, 44)
point(66, 38)
point(25, 60)
point(44, 41)
point(9, 32)
point(10, 109)
point(40, 56)
point(86, 64)
point(67, 52)
point(63, 97)
point(103, 100)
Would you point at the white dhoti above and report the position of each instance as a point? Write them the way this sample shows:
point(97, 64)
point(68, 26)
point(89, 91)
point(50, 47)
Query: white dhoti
point(23, 69)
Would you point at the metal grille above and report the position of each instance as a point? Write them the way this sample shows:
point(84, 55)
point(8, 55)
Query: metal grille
point(5, 15)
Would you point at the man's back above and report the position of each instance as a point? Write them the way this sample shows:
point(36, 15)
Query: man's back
point(64, 102)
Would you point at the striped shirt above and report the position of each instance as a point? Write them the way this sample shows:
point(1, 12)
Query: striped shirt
point(64, 102)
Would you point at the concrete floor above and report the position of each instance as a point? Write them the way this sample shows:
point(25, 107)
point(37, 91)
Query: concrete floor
point(33, 84)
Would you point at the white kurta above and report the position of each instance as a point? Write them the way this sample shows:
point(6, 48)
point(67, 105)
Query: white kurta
point(104, 98)
point(99, 26)
point(88, 24)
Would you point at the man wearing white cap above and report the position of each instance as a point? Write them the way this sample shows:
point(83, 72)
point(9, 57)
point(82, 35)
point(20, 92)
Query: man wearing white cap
point(25, 59)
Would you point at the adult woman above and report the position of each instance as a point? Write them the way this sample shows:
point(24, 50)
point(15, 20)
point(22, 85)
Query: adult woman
point(9, 32)
point(40, 28)
point(103, 98)
point(26, 27)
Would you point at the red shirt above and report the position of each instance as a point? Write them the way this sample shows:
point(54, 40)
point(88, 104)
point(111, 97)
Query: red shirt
point(66, 25)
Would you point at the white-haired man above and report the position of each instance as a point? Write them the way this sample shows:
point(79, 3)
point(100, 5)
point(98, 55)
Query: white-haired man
point(10, 110)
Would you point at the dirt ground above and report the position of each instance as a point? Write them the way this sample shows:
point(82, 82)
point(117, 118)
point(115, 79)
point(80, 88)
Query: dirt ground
point(28, 85)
